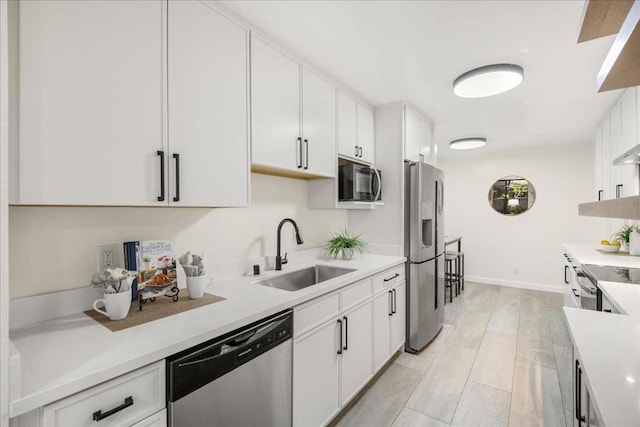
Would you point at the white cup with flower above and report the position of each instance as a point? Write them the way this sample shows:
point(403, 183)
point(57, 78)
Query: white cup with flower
point(116, 286)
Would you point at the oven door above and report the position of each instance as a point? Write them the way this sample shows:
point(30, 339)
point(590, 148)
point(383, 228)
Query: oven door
point(588, 292)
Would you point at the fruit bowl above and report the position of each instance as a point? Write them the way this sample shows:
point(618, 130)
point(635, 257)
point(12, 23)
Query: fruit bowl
point(610, 248)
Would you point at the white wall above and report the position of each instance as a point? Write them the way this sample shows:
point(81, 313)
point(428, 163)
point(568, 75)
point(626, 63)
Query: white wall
point(495, 245)
point(54, 248)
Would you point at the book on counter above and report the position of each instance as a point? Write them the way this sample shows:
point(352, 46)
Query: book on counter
point(155, 262)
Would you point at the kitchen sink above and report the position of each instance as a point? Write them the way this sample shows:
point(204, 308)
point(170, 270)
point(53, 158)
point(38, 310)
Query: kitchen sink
point(301, 279)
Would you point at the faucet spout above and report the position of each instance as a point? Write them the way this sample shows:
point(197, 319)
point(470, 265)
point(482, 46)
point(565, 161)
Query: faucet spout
point(279, 260)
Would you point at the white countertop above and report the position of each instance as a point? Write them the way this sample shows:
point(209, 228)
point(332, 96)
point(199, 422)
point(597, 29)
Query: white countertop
point(72, 353)
point(587, 254)
point(608, 345)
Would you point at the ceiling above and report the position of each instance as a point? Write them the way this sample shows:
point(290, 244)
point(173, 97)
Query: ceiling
point(413, 50)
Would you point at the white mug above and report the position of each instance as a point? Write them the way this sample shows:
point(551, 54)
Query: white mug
point(196, 285)
point(116, 305)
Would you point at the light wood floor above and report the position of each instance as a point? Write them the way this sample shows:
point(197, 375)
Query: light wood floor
point(502, 358)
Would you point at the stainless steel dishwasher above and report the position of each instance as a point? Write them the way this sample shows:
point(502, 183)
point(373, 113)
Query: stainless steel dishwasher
point(240, 379)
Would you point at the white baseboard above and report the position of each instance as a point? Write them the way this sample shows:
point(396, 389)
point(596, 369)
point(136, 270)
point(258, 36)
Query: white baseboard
point(514, 284)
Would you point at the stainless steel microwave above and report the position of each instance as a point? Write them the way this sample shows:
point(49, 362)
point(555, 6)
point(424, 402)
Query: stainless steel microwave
point(359, 183)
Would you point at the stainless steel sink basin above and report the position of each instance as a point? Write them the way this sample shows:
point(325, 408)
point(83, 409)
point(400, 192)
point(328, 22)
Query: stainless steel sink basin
point(301, 279)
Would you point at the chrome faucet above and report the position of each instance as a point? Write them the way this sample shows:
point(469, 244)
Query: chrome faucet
point(279, 259)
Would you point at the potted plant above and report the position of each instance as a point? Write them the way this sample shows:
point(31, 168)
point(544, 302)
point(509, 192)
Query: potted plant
point(345, 246)
point(623, 235)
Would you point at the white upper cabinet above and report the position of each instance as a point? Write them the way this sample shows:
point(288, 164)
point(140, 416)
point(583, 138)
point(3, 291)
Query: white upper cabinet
point(292, 130)
point(208, 104)
point(629, 137)
point(605, 161)
point(355, 130)
point(94, 112)
point(275, 108)
point(616, 185)
point(91, 102)
point(347, 127)
point(366, 141)
point(598, 165)
point(318, 124)
point(417, 137)
point(618, 133)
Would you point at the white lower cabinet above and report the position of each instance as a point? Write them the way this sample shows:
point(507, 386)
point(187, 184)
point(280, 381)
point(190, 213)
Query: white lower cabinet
point(159, 419)
point(356, 350)
point(389, 323)
point(398, 320)
point(335, 356)
point(123, 401)
point(316, 375)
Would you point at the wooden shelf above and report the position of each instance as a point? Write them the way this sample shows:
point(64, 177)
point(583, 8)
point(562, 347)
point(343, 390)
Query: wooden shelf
point(603, 18)
point(624, 208)
point(621, 67)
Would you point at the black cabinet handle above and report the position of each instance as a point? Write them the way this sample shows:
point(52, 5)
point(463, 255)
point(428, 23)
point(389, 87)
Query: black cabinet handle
point(578, 394)
point(356, 151)
point(340, 347)
point(300, 150)
point(608, 310)
point(161, 196)
point(391, 278)
point(346, 333)
point(390, 303)
point(360, 148)
point(177, 157)
point(306, 154)
point(600, 193)
point(566, 268)
point(577, 295)
point(395, 301)
point(98, 415)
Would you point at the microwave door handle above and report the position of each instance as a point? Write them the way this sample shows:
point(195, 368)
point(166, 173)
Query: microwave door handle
point(379, 184)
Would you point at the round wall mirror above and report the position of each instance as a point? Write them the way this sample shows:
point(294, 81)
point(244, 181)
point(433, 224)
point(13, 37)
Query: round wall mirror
point(512, 195)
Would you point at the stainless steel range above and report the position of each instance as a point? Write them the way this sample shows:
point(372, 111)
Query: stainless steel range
point(591, 295)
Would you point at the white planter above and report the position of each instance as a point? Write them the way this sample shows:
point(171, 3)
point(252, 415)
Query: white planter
point(634, 243)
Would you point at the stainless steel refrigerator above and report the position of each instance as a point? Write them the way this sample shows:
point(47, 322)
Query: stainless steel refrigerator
point(424, 249)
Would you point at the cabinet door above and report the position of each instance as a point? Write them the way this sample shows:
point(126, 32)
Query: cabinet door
point(347, 127)
point(629, 138)
point(316, 375)
point(357, 351)
point(417, 136)
point(382, 328)
point(159, 419)
point(208, 76)
point(366, 133)
point(275, 108)
point(606, 162)
point(91, 102)
point(318, 125)
point(398, 320)
point(598, 165)
point(615, 144)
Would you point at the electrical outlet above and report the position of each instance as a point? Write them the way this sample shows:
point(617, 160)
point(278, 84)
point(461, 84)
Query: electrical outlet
point(109, 256)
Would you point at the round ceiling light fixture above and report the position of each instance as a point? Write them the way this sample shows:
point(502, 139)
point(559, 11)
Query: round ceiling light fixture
point(488, 80)
point(468, 143)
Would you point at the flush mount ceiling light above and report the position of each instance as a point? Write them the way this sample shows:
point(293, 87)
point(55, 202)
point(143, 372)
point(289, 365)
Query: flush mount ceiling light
point(468, 143)
point(488, 80)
